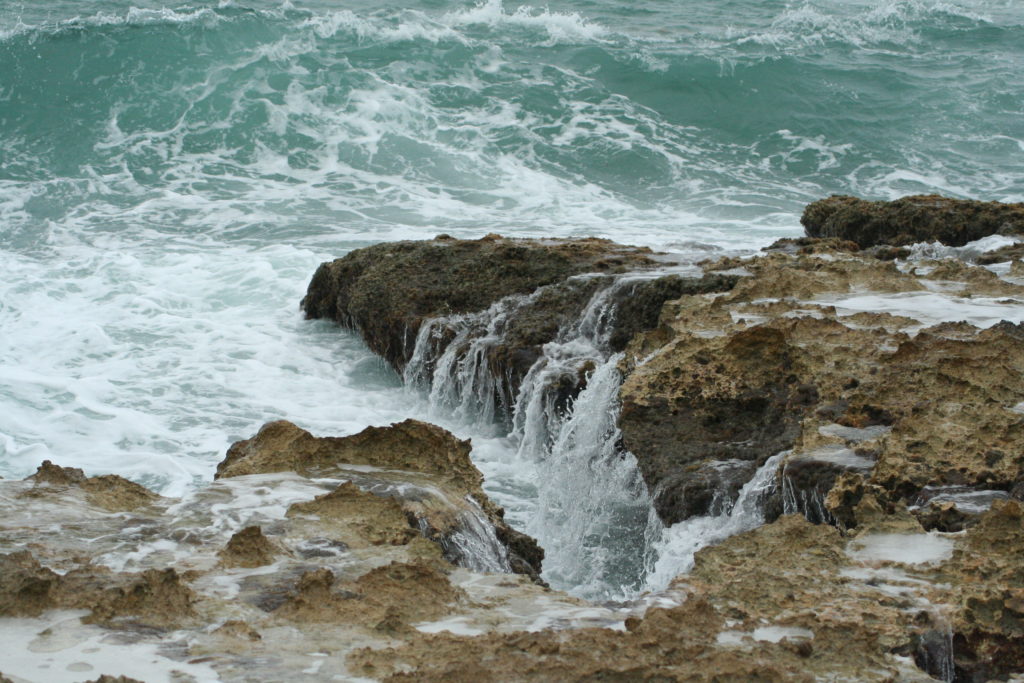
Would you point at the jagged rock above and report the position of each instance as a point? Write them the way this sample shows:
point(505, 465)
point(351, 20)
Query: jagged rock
point(988, 580)
point(639, 304)
point(666, 645)
point(248, 548)
point(154, 598)
point(919, 218)
point(410, 446)
point(386, 598)
point(357, 518)
point(387, 290)
point(114, 679)
point(27, 589)
point(236, 628)
point(109, 491)
point(711, 400)
point(771, 366)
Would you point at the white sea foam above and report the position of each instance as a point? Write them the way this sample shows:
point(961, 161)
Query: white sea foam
point(58, 648)
point(902, 548)
point(931, 308)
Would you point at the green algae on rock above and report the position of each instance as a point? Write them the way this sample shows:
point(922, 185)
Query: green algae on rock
point(918, 218)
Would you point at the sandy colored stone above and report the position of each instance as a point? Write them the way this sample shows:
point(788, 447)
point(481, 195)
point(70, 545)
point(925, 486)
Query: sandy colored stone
point(410, 446)
point(153, 597)
point(666, 645)
point(387, 599)
point(358, 518)
point(27, 589)
point(986, 575)
point(248, 548)
point(729, 380)
point(236, 628)
point(109, 491)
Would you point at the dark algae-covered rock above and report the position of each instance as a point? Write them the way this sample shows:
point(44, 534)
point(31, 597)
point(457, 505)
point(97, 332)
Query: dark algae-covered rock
point(387, 290)
point(918, 218)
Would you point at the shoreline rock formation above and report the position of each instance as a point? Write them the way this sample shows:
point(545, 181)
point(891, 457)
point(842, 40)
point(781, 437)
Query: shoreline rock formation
point(413, 447)
point(889, 386)
point(918, 218)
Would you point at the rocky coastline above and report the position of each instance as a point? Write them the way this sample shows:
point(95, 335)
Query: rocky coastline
point(881, 380)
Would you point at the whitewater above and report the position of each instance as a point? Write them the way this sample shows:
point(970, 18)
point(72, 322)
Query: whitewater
point(172, 174)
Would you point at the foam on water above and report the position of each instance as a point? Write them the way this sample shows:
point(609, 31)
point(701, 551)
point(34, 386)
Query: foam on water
point(58, 648)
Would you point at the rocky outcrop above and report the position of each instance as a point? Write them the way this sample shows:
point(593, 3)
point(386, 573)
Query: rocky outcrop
point(248, 548)
point(789, 601)
point(919, 218)
point(413, 447)
point(386, 291)
point(154, 598)
point(108, 491)
point(773, 365)
point(523, 294)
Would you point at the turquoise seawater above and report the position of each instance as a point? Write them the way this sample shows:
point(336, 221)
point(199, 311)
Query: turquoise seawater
point(171, 175)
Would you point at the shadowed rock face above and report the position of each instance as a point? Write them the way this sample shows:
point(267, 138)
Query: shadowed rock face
point(919, 218)
point(386, 291)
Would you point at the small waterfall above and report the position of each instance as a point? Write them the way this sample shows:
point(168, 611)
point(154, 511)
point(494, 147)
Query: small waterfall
point(680, 542)
point(474, 545)
point(593, 515)
point(450, 360)
point(807, 502)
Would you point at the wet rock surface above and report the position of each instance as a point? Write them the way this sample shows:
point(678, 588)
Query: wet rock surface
point(527, 294)
point(417, 448)
point(919, 218)
point(779, 363)
point(387, 290)
point(891, 553)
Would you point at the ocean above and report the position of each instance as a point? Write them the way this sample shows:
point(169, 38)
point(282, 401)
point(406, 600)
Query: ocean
point(172, 174)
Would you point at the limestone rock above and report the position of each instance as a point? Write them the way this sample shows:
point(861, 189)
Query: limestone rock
point(731, 379)
point(154, 598)
point(410, 446)
point(248, 548)
point(357, 518)
point(988, 580)
point(109, 491)
point(26, 587)
point(919, 218)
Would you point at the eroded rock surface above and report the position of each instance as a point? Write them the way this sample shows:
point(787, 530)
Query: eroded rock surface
point(413, 302)
point(919, 218)
point(779, 363)
point(451, 490)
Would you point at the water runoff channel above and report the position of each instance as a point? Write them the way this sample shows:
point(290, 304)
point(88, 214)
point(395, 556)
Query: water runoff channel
point(557, 464)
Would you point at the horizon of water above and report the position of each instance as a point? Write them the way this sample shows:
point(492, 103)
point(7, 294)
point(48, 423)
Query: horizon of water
point(171, 174)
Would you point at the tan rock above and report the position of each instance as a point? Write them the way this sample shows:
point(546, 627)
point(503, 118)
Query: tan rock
point(248, 548)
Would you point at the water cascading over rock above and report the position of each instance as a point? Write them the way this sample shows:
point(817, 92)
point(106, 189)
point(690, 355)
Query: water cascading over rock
point(540, 365)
